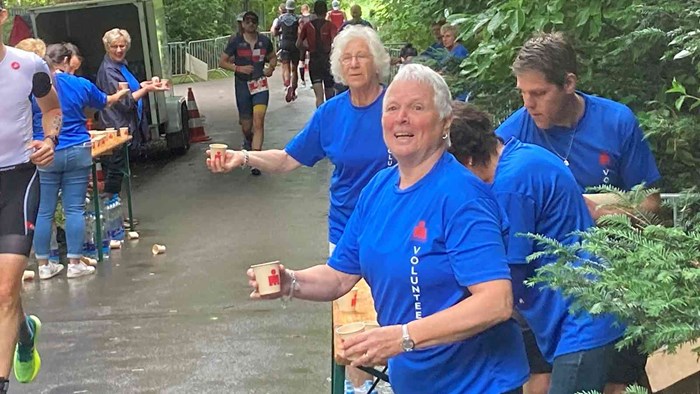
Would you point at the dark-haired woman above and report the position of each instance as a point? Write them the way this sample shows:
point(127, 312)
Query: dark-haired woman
point(70, 169)
point(539, 195)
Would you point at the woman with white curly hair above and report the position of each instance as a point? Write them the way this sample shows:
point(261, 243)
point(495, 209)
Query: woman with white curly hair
point(346, 129)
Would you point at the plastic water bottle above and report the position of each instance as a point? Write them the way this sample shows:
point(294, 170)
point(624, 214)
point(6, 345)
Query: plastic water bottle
point(89, 248)
point(105, 217)
point(118, 222)
point(54, 254)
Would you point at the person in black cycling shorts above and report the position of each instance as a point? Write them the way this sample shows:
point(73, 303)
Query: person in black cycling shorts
point(246, 55)
point(319, 34)
point(288, 28)
point(22, 74)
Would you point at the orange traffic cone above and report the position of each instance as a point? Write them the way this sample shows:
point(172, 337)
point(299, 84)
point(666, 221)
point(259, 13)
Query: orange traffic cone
point(197, 133)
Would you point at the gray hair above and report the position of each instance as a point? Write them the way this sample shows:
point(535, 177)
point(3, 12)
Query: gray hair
point(380, 56)
point(115, 34)
point(425, 75)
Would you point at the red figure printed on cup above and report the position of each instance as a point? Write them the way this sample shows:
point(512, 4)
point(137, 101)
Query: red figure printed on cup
point(274, 278)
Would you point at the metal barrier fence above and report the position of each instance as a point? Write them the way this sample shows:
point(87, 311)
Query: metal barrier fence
point(209, 51)
point(673, 199)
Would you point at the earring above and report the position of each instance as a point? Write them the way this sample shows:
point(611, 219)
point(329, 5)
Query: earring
point(471, 163)
point(444, 136)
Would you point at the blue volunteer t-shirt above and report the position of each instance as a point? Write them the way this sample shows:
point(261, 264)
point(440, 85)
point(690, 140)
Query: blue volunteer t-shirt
point(419, 249)
point(540, 196)
point(75, 94)
point(608, 149)
point(351, 138)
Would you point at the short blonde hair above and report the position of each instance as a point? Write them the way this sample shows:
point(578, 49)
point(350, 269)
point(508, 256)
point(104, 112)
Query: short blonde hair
point(447, 27)
point(115, 34)
point(379, 54)
point(33, 45)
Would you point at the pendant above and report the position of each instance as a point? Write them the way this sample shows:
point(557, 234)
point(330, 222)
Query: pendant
point(566, 162)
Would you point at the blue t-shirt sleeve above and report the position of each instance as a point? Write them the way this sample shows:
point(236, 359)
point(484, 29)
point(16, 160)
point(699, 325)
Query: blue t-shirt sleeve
point(521, 217)
point(638, 163)
point(475, 244)
point(97, 99)
point(306, 147)
point(461, 52)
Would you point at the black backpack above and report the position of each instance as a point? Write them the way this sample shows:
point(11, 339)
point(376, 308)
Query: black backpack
point(289, 27)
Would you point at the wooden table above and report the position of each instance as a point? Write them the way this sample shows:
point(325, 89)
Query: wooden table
point(364, 312)
point(102, 147)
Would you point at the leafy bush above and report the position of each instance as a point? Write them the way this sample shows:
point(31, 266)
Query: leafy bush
point(645, 273)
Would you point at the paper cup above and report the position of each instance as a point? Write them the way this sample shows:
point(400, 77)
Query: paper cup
point(348, 330)
point(132, 235)
point(268, 277)
point(88, 261)
point(217, 151)
point(348, 302)
point(371, 325)
point(158, 249)
point(155, 80)
point(28, 275)
point(123, 131)
point(123, 85)
point(114, 244)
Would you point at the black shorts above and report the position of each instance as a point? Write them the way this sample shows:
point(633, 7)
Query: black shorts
point(628, 365)
point(538, 364)
point(289, 55)
point(19, 205)
point(320, 70)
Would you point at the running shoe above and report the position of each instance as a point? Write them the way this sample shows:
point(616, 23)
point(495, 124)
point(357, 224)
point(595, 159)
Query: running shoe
point(80, 269)
point(49, 270)
point(27, 362)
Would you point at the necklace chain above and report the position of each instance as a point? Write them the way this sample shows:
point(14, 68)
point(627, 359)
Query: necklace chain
point(568, 152)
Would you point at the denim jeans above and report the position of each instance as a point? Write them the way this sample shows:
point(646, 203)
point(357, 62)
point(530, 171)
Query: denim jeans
point(581, 371)
point(70, 173)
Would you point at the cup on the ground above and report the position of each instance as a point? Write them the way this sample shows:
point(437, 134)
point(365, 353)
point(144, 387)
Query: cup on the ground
point(132, 235)
point(348, 302)
point(268, 277)
point(349, 330)
point(158, 249)
point(217, 151)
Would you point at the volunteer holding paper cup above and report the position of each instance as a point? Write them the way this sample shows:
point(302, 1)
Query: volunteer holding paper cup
point(427, 236)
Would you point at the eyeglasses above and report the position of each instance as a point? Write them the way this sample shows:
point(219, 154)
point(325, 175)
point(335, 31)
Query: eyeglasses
point(361, 58)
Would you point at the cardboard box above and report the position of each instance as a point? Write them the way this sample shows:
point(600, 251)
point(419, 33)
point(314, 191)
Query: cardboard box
point(665, 370)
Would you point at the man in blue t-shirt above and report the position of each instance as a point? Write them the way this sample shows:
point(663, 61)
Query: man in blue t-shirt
point(539, 196)
point(246, 55)
point(599, 140)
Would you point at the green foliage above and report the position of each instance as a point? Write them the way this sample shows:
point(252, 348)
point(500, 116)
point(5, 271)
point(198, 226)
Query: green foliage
point(634, 389)
point(644, 273)
point(185, 21)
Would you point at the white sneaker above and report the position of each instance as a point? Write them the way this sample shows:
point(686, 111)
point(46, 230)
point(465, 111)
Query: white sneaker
point(80, 269)
point(49, 270)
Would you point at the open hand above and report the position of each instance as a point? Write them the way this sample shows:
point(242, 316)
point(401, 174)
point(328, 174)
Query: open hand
point(231, 160)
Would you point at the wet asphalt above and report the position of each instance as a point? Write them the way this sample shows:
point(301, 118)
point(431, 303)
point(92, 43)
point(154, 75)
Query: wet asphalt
point(182, 322)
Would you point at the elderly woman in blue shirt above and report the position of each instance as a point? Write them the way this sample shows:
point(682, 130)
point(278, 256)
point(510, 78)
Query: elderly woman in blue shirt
point(70, 170)
point(130, 112)
point(427, 237)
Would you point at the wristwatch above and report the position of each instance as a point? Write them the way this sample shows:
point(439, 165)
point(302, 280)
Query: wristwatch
point(407, 344)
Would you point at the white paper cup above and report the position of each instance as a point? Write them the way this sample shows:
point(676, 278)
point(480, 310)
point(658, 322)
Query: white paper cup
point(155, 80)
point(114, 244)
point(268, 277)
point(348, 302)
point(123, 85)
point(28, 275)
point(158, 249)
point(217, 151)
point(132, 235)
point(371, 325)
point(349, 330)
point(123, 131)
